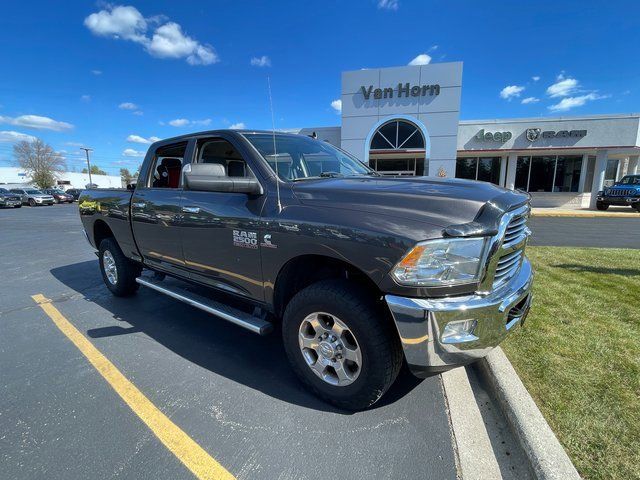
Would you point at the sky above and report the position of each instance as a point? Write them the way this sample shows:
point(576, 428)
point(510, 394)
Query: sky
point(116, 76)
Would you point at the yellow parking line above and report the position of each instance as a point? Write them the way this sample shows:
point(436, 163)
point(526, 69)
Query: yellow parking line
point(192, 455)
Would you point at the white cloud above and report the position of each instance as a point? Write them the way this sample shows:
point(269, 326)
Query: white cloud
point(74, 144)
point(38, 122)
point(422, 59)
point(568, 103)
point(96, 72)
point(167, 41)
point(238, 126)
point(527, 100)
point(118, 22)
point(12, 136)
point(183, 122)
point(337, 105)
point(85, 98)
point(130, 152)
point(128, 106)
point(535, 78)
point(179, 122)
point(138, 112)
point(262, 61)
point(388, 4)
point(563, 87)
point(511, 91)
point(139, 139)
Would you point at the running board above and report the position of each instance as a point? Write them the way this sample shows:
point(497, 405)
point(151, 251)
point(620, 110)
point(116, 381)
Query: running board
point(233, 315)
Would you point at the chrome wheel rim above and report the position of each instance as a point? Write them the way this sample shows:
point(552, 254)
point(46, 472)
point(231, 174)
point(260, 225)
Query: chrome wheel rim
point(110, 269)
point(330, 349)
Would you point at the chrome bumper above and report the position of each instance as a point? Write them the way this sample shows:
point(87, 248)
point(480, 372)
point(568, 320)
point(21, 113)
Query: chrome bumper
point(421, 321)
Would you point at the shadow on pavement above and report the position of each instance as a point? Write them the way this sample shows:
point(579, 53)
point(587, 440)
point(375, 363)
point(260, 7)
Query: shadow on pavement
point(225, 349)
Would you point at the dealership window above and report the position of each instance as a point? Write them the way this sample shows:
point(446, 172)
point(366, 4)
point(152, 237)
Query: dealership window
point(611, 172)
point(548, 173)
point(485, 169)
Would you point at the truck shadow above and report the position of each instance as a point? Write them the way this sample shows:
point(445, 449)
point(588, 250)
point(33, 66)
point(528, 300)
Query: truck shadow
point(576, 267)
point(209, 342)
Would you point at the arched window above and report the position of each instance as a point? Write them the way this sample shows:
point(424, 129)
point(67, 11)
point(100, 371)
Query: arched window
point(397, 135)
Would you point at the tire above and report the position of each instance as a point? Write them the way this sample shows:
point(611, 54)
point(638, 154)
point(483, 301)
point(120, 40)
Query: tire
point(32, 202)
point(118, 272)
point(369, 329)
point(17, 206)
point(637, 207)
point(602, 206)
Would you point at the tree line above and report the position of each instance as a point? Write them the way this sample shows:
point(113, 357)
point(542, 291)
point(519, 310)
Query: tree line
point(44, 165)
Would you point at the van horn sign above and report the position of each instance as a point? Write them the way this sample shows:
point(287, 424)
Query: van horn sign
point(403, 89)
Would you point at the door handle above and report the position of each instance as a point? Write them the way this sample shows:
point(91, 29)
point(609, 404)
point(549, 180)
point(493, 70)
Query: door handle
point(139, 204)
point(191, 209)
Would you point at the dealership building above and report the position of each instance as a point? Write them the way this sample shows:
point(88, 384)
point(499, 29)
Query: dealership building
point(405, 121)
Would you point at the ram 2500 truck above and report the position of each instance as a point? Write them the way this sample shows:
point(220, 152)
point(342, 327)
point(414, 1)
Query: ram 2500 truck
point(360, 271)
point(625, 192)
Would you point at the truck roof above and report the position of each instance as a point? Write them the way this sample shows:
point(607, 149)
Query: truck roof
point(222, 130)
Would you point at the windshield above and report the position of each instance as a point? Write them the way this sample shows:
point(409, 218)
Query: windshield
point(298, 157)
point(34, 192)
point(630, 180)
point(4, 190)
point(59, 192)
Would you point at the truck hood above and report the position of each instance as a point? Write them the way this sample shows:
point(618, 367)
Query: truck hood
point(439, 202)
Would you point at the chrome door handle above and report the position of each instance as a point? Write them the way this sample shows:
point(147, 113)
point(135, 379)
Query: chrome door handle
point(191, 209)
point(139, 204)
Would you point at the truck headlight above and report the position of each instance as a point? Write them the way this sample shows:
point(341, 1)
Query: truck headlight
point(442, 262)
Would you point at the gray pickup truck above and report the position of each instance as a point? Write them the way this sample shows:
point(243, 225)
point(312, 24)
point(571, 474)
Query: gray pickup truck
point(359, 271)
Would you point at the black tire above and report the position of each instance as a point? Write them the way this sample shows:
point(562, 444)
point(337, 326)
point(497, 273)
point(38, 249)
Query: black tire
point(32, 202)
point(602, 206)
point(637, 207)
point(17, 206)
point(126, 270)
point(373, 331)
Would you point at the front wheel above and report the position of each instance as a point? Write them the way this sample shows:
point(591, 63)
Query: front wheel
point(118, 272)
point(601, 205)
point(637, 206)
point(32, 202)
point(341, 344)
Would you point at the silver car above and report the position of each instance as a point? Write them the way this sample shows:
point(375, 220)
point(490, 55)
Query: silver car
point(33, 197)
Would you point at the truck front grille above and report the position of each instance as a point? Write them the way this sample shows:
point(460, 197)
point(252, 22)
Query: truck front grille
point(511, 253)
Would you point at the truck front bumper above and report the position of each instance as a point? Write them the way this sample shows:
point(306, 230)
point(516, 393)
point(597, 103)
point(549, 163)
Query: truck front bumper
point(425, 325)
point(619, 201)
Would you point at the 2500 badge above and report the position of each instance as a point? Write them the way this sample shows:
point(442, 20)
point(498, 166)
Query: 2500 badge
point(244, 239)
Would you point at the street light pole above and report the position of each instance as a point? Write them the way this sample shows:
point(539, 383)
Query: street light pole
point(87, 150)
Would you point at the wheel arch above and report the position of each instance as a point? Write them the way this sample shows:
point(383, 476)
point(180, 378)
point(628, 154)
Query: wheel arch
point(301, 271)
point(101, 230)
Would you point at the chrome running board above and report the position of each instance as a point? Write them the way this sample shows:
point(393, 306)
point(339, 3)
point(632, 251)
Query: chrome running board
point(233, 315)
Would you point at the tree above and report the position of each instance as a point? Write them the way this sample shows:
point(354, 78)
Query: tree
point(126, 176)
point(39, 161)
point(95, 170)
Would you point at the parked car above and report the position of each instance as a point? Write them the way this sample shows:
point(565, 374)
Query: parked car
point(59, 196)
point(74, 192)
point(360, 270)
point(625, 193)
point(8, 199)
point(33, 197)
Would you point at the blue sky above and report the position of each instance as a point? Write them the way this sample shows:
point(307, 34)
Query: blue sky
point(114, 75)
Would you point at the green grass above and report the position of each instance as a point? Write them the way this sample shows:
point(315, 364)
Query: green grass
point(579, 355)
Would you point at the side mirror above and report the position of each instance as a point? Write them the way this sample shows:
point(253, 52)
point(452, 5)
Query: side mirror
point(211, 177)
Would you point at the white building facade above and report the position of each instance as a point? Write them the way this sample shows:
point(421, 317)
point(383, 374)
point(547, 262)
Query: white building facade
point(16, 177)
point(405, 121)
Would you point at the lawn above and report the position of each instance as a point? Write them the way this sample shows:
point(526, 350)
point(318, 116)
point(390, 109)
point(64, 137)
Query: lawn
point(579, 355)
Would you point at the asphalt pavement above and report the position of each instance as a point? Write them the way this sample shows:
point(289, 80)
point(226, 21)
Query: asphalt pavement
point(603, 232)
point(231, 391)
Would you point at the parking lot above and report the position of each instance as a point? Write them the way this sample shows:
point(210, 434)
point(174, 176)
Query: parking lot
point(231, 391)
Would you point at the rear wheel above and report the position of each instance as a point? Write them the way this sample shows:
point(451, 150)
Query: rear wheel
point(118, 272)
point(341, 344)
point(602, 205)
point(637, 206)
point(32, 202)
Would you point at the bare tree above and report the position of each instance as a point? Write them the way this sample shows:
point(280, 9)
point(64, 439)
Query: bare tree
point(39, 161)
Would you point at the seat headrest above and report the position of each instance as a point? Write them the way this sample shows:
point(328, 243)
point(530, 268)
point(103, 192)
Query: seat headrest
point(171, 163)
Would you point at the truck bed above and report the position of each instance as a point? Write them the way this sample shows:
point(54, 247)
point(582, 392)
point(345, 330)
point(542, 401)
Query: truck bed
point(110, 207)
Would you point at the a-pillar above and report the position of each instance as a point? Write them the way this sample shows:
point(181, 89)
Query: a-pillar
point(598, 175)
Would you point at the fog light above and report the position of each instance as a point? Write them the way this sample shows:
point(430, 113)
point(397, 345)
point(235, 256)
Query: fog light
point(459, 332)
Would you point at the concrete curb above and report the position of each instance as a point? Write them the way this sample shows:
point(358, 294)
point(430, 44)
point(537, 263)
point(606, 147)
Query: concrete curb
point(547, 458)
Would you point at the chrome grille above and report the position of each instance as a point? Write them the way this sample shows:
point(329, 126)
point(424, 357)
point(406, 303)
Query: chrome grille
point(511, 252)
point(620, 192)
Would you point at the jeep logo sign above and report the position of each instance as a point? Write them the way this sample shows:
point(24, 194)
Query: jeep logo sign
point(493, 136)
